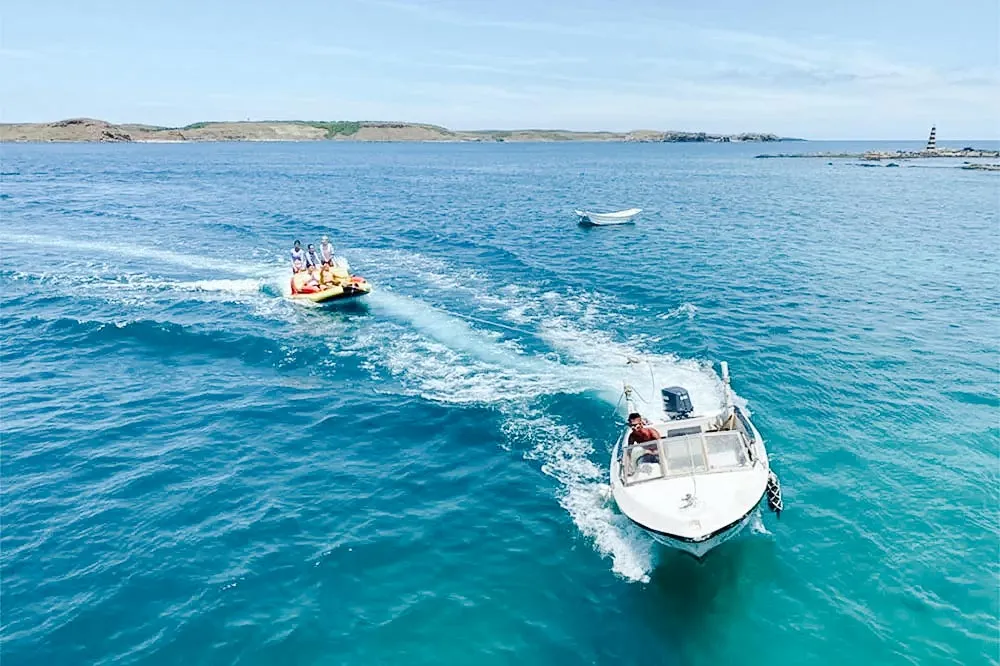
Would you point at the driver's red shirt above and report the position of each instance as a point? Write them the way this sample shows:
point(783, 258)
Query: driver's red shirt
point(643, 434)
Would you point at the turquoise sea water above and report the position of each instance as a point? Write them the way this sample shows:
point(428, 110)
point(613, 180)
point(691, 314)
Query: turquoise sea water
point(195, 470)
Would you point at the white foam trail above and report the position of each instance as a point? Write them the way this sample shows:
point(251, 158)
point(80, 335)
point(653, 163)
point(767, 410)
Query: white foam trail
point(686, 309)
point(280, 279)
point(757, 524)
point(429, 270)
point(245, 286)
point(140, 282)
point(140, 290)
point(517, 314)
point(137, 251)
point(441, 357)
point(436, 372)
point(566, 457)
point(631, 552)
point(603, 357)
point(459, 336)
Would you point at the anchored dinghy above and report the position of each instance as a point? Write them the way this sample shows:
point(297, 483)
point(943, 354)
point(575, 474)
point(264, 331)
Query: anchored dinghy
point(603, 219)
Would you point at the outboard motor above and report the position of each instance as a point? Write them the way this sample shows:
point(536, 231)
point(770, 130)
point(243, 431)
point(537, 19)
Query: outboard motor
point(676, 402)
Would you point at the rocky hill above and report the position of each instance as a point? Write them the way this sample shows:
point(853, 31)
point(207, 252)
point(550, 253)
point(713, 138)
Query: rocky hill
point(91, 130)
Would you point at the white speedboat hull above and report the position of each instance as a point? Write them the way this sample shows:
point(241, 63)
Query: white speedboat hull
point(699, 481)
point(701, 548)
point(702, 527)
point(603, 219)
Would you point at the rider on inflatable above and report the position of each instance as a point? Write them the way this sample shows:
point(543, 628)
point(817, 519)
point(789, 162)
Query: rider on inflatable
point(304, 281)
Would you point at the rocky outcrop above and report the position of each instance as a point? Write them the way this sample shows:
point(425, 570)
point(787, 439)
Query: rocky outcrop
point(647, 136)
point(750, 137)
point(74, 129)
point(876, 155)
point(879, 155)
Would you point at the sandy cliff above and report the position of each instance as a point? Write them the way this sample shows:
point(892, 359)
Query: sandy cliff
point(91, 130)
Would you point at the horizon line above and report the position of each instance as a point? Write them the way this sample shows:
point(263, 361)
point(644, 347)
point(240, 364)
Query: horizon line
point(490, 129)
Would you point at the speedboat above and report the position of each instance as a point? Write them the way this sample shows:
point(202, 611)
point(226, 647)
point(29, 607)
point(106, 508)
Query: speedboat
point(701, 482)
point(603, 219)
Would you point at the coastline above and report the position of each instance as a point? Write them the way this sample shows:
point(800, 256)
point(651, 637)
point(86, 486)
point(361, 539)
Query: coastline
point(879, 155)
point(88, 130)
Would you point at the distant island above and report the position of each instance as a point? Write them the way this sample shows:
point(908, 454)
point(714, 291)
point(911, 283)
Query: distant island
point(99, 131)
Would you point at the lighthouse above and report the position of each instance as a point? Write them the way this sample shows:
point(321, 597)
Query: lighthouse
point(932, 141)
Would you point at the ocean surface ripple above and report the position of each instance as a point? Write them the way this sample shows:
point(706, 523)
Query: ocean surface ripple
point(195, 470)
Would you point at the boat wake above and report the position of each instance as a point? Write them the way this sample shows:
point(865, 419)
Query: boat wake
point(559, 346)
point(757, 524)
point(523, 346)
point(137, 276)
point(71, 248)
point(686, 310)
point(139, 290)
point(514, 347)
point(567, 457)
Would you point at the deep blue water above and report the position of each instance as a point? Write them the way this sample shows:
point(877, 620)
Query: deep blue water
point(195, 470)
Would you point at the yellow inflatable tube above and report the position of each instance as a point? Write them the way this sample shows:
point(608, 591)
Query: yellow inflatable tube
point(356, 286)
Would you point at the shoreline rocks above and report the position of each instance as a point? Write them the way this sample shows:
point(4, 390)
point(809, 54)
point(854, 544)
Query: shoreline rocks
point(877, 155)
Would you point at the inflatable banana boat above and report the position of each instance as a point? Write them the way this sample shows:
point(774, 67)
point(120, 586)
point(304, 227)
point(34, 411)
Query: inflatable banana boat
point(358, 286)
point(345, 288)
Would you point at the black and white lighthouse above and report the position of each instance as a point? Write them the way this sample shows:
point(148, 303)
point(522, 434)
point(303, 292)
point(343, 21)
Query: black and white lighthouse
point(932, 141)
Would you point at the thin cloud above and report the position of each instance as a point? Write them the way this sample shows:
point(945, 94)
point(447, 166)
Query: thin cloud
point(329, 50)
point(523, 69)
point(462, 20)
point(514, 61)
point(469, 91)
point(18, 54)
point(840, 66)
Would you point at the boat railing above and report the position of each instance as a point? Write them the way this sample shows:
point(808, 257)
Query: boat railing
point(748, 431)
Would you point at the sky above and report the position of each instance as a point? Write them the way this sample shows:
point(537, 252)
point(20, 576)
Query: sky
point(850, 69)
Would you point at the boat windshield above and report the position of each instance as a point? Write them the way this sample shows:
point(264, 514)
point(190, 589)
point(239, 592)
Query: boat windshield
point(703, 452)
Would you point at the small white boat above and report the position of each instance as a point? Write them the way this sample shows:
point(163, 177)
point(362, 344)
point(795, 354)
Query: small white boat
point(602, 219)
point(701, 482)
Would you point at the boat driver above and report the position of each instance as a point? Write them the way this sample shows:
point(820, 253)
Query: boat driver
point(641, 432)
